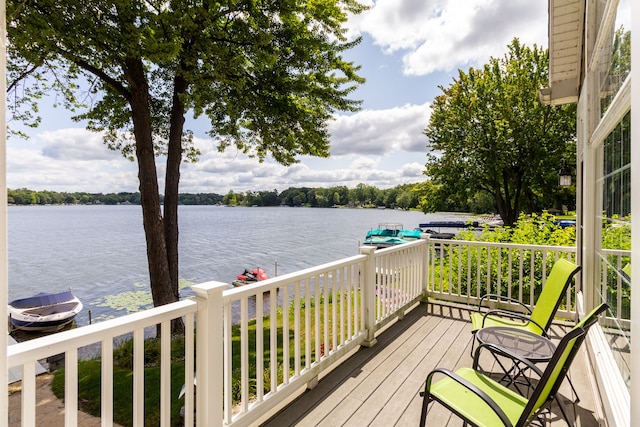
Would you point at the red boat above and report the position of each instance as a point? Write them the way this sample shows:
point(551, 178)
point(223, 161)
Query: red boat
point(250, 276)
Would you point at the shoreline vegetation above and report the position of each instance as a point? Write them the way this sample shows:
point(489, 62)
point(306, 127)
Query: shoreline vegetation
point(402, 196)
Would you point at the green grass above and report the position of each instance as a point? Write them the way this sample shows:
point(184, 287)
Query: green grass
point(89, 392)
point(89, 373)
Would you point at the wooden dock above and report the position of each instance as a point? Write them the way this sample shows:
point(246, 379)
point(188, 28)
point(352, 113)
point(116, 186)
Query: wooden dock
point(379, 386)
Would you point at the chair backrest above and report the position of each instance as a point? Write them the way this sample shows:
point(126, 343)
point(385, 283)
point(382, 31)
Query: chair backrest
point(557, 368)
point(554, 288)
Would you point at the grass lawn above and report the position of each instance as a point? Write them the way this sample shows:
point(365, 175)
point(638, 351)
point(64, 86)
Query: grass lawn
point(89, 371)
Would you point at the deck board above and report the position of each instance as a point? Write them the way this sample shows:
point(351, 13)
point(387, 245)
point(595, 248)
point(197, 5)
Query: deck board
point(379, 386)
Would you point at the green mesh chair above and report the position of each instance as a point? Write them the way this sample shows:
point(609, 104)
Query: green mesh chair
point(537, 320)
point(481, 401)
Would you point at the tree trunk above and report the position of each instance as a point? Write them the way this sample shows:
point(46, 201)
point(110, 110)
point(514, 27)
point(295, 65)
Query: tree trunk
point(147, 175)
point(172, 179)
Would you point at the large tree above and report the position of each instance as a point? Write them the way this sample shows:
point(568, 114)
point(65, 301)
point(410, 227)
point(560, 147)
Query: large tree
point(268, 75)
point(488, 132)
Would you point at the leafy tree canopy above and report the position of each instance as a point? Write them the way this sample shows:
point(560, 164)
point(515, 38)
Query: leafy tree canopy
point(490, 134)
point(267, 75)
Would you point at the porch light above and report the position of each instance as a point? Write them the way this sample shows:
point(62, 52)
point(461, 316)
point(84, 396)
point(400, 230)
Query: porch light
point(564, 177)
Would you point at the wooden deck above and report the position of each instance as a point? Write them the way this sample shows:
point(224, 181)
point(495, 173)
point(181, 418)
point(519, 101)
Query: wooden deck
point(379, 386)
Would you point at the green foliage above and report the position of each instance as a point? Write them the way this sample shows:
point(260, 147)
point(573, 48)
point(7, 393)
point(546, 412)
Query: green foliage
point(89, 383)
point(489, 135)
point(123, 353)
point(268, 76)
point(534, 229)
point(405, 196)
point(617, 234)
point(501, 267)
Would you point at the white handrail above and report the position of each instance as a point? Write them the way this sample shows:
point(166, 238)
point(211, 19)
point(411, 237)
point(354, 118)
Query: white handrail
point(358, 296)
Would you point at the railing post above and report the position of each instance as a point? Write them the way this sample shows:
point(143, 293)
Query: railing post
point(369, 294)
point(426, 254)
point(209, 353)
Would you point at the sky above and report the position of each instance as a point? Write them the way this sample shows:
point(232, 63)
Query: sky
point(409, 49)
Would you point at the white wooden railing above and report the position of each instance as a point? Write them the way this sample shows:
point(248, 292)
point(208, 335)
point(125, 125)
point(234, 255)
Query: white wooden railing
point(462, 271)
point(27, 353)
point(310, 320)
point(335, 308)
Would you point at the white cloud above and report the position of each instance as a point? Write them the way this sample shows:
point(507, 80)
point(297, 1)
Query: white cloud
point(71, 159)
point(361, 162)
point(376, 132)
point(363, 144)
point(75, 144)
point(443, 35)
point(28, 168)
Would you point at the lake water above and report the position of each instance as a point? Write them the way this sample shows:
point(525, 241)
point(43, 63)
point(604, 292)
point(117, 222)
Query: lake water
point(99, 251)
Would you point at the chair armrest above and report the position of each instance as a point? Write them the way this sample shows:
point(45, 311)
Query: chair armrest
point(496, 349)
point(503, 298)
point(472, 388)
point(512, 314)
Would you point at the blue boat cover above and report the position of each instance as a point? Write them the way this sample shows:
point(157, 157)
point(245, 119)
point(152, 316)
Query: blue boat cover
point(43, 299)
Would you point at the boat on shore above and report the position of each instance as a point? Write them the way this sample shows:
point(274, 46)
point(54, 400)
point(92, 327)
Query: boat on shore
point(450, 224)
point(390, 234)
point(250, 276)
point(46, 312)
point(439, 235)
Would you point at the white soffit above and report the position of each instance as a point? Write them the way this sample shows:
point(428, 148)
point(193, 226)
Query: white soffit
point(566, 24)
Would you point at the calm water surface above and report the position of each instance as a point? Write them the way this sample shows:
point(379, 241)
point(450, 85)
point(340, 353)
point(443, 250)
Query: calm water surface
point(99, 251)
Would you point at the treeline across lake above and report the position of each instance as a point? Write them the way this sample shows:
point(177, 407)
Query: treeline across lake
point(24, 196)
point(403, 196)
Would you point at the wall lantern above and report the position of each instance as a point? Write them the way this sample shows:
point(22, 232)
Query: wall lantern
point(564, 177)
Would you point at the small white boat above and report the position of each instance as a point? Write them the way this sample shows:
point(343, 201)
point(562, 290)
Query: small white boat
point(44, 311)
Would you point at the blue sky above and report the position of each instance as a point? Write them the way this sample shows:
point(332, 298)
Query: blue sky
point(409, 48)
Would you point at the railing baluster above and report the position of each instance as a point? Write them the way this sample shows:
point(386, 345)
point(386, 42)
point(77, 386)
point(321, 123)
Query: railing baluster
point(521, 275)
point(188, 370)
point(165, 373)
point(106, 386)
point(244, 355)
point(260, 345)
point(296, 328)
point(334, 309)
point(343, 292)
point(499, 272)
point(307, 324)
point(324, 350)
point(28, 397)
point(316, 312)
point(450, 271)
point(286, 347)
point(532, 277)
point(273, 347)
point(353, 290)
point(469, 286)
point(510, 274)
point(138, 377)
point(489, 284)
point(228, 365)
